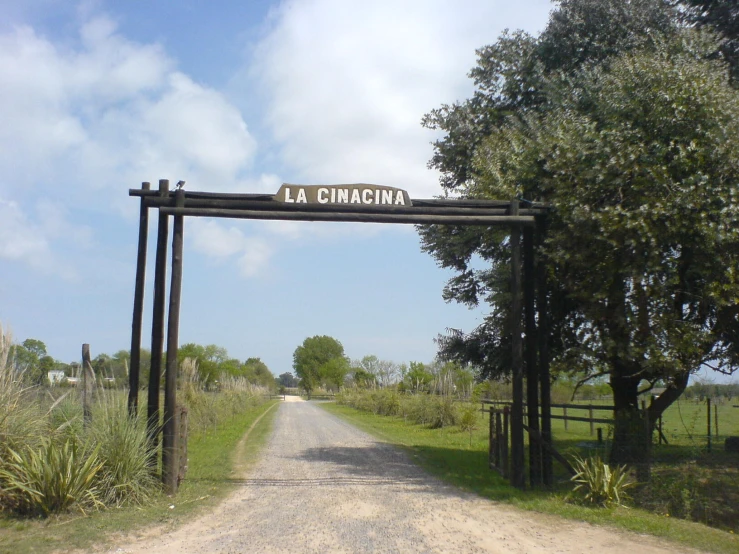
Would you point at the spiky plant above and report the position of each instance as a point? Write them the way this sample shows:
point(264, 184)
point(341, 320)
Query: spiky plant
point(123, 450)
point(51, 478)
point(597, 483)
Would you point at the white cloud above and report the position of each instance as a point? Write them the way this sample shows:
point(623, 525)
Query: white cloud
point(347, 82)
point(221, 242)
point(110, 113)
point(83, 123)
point(18, 239)
point(22, 240)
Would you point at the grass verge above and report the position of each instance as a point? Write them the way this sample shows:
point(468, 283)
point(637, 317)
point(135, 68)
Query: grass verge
point(453, 456)
point(212, 460)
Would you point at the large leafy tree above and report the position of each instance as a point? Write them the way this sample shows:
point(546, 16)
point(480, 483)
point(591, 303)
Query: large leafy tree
point(335, 370)
point(721, 16)
point(27, 360)
point(311, 358)
point(210, 359)
point(288, 380)
point(257, 372)
point(632, 136)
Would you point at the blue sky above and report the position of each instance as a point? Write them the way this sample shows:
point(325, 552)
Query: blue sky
point(97, 96)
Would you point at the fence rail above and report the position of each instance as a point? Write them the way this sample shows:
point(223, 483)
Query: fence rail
point(565, 417)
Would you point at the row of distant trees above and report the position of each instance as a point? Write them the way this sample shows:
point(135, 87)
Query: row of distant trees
point(701, 391)
point(31, 360)
point(320, 361)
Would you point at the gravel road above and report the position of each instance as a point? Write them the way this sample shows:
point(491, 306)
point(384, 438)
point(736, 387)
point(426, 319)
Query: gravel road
point(324, 486)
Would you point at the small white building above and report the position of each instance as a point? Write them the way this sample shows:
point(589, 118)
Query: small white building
point(55, 376)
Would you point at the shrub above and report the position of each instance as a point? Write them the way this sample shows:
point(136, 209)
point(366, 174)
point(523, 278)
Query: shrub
point(123, 446)
point(52, 478)
point(596, 483)
point(468, 418)
point(386, 402)
point(443, 412)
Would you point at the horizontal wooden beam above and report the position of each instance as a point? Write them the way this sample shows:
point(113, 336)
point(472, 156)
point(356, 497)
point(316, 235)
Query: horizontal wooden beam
point(354, 217)
point(232, 199)
point(330, 208)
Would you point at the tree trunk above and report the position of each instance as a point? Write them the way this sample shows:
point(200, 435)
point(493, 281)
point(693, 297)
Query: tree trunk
point(630, 439)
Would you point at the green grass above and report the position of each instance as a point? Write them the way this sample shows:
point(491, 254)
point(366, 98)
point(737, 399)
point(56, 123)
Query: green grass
point(460, 458)
point(212, 459)
point(684, 423)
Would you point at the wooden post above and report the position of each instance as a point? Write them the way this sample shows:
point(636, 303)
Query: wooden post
point(498, 440)
point(182, 443)
point(715, 420)
point(708, 423)
point(88, 377)
point(138, 308)
point(532, 370)
point(647, 469)
point(157, 327)
point(505, 463)
point(600, 436)
point(518, 478)
point(564, 417)
point(491, 440)
point(169, 446)
point(542, 336)
point(592, 424)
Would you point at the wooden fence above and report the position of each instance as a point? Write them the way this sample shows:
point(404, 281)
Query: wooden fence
point(592, 420)
point(498, 441)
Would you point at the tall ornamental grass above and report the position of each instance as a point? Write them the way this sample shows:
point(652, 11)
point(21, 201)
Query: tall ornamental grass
point(49, 462)
point(208, 409)
point(432, 410)
point(123, 451)
point(21, 422)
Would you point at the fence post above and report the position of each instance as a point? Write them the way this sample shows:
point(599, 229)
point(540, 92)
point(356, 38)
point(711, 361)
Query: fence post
point(564, 409)
point(715, 420)
point(182, 444)
point(708, 422)
point(87, 381)
point(504, 465)
point(592, 424)
point(600, 435)
point(648, 430)
point(491, 440)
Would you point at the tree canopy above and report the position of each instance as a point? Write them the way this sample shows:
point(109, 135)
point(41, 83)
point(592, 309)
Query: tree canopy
point(318, 358)
point(624, 121)
point(721, 16)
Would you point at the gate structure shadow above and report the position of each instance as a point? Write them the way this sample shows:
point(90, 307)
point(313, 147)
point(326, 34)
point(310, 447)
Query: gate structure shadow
point(347, 203)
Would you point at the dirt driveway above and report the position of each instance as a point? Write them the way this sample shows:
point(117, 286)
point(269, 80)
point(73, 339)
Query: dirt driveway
point(324, 486)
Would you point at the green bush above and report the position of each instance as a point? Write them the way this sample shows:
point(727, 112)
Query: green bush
point(51, 478)
point(21, 421)
point(425, 409)
point(65, 415)
point(443, 412)
point(681, 492)
point(468, 417)
point(596, 483)
point(123, 446)
point(386, 402)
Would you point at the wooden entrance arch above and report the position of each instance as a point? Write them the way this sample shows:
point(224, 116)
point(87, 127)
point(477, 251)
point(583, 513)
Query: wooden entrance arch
point(347, 203)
